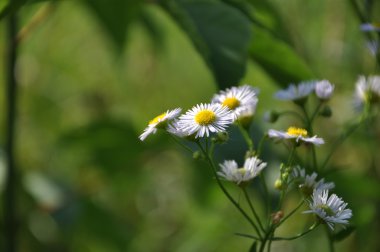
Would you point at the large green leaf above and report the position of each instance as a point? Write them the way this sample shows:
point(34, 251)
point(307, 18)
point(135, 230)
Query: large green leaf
point(278, 59)
point(115, 16)
point(220, 33)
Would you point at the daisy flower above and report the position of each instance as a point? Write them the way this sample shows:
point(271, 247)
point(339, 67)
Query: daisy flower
point(332, 210)
point(238, 99)
point(296, 92)
point(298, 134)
point(231, 172)
point(205, 118)
point(324, 89)
point(307, 183)
point(367, 90)
point(160, 122)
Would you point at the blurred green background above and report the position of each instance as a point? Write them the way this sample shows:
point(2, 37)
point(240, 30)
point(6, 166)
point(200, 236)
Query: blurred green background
point(91, 77)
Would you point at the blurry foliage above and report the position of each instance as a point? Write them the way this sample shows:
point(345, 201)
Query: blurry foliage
point(81, 109)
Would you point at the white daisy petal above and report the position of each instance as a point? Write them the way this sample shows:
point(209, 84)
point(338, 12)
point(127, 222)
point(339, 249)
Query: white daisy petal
point(238, 99)
point(251, 169)
point(298, 134)
point(160, 121)
point(296, 92)
point(205, 118)
point(367, 91)
point(308, 183)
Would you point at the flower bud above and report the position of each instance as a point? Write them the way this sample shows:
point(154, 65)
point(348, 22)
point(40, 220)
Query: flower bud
point(221, 137)
point(278, 184)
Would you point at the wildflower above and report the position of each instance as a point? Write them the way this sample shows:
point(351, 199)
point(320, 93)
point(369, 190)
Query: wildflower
point(240, 100)
point(298, 134)
point(324, 89)
point(160, 122)
point(308, 183)
point(367, 90)
point(205, 118)
point(297, 93)
point(368, 27)
point(231, 172)
point(332, 210)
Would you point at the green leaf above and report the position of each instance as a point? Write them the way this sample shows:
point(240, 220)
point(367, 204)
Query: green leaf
point(219, 32)
point(344, 233)
point(115, 17)
point(253, 247)
point(278, 59)
point(14, 5)
point(11, 8)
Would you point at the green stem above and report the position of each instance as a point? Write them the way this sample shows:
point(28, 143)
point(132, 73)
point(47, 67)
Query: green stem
point(261, 144)
point(330, 239)
point(309, 128)
point(298, 235)
point(252, 208)
point(246, 137)
point(339, 141)
point(248, 236)
point(291, 213)
point(293, 113)
point(266, 193)
point(226, 192)
point(181, 144)
point(10, 189)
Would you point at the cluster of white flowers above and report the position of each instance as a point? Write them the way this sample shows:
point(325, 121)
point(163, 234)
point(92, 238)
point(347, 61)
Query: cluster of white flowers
point(225, 108)
point(238, 105)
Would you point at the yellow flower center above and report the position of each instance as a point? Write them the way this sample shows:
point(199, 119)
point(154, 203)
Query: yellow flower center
point(157, 119)
point(205, 117)
point(231, 102)
point(297, 132)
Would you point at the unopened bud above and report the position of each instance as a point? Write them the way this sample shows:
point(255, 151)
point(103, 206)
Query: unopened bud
point(277, 216)
point(197, 155)
point(221, 137)
point(278, 184)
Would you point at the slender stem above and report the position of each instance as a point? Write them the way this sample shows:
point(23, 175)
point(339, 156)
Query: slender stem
point(330, 239)
point(226, 192)
point(261, 143)
point(339, 141)
point(10, 222)
point(246, 137)
point(298, 235)
point(309, 127)
point(267, 235)
point(290, 112)
point(270, 241)
point(248, 236)
point(266, 193)
point(181, 144)
point(252, 208)
point(291, 213)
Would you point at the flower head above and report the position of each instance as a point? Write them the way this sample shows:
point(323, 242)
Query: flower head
point(308, 183)
point(367, 90)
point(296, 93)
point(160, 122)
point(238, 99)
point(205, 118)
point(324, 89)
point(297, 134)
point(332, 210)
point(230, 170)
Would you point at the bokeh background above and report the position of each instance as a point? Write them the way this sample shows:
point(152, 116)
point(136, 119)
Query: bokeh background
point(90, 79)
